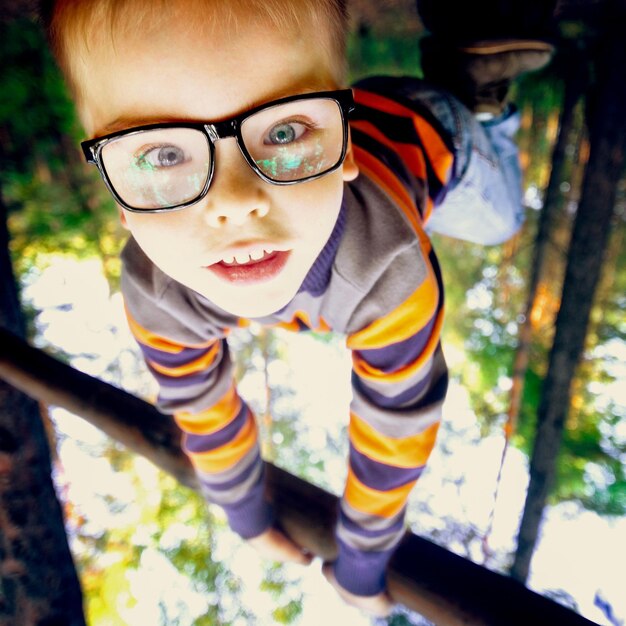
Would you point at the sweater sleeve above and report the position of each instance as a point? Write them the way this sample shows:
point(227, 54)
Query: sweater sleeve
point(399, 382)
point(189, 357)
point(399, 375)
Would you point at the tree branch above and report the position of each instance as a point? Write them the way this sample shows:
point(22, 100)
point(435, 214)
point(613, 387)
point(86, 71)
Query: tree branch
point(442, 586)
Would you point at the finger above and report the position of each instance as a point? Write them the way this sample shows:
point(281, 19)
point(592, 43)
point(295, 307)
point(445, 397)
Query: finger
point(293, 552)
point(275, 545)
point(329, 574)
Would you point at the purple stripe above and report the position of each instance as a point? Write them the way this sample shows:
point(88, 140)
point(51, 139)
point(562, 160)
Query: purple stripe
point(353, 527)
point(253, 514)
point(380, 476)
point(178, 382)
point(390, 402)
point(317, 278)
point(206, 443)
point(397, 355)
point(237, 480)
point(361, 573)
point(166, 359)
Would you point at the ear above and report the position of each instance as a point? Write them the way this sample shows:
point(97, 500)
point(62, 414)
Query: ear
point(350, 168)
point(123, 218)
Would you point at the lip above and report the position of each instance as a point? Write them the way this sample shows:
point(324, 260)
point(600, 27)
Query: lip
point(253, 272)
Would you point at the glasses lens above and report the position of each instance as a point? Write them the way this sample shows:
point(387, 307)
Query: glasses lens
point(296, 140)
point(158, 169)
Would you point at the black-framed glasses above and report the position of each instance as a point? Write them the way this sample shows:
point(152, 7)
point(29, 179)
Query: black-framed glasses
point(168, 166)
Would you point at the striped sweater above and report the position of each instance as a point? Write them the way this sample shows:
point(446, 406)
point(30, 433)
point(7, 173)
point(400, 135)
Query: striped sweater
point(378, 283)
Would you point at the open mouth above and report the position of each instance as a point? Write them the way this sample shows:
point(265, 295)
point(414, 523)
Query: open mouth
point(249, 269)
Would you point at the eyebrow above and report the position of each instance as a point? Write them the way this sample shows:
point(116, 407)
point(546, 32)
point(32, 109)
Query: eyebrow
point(124, 122)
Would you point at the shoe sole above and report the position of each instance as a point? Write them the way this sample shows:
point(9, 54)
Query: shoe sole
point(508, 45)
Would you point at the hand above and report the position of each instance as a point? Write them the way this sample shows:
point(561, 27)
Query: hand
point(379, 605)
point(276, 546)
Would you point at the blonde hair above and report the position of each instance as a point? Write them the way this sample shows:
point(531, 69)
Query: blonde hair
point(76, 26)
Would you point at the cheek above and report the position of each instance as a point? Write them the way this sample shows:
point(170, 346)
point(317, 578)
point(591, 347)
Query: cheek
point(161, 236)
point(319, 203)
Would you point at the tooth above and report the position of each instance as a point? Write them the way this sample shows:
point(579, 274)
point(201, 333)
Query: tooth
point(242, 258)
point(267, 252)
point(229, 260)
point(256, 255)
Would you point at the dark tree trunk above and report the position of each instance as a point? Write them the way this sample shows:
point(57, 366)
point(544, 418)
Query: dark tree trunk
point(607, 129)
point(574, 87)
point(38, 582)
point(575, 81)
point(451, 591)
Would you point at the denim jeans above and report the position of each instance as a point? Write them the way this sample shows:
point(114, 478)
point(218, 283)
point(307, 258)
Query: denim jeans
point(482, 200)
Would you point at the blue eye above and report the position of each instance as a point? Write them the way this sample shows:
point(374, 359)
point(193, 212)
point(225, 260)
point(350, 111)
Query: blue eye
point(285, 133)
point(161, 157)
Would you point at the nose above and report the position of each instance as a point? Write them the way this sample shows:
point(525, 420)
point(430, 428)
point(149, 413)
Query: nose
point(236, 194)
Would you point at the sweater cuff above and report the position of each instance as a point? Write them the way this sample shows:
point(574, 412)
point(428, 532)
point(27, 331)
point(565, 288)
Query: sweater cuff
point(252, 515)
point(361, 573)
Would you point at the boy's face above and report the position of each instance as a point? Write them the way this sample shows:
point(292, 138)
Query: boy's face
point(182, 76)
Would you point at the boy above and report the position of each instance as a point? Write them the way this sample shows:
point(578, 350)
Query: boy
point(221, 131)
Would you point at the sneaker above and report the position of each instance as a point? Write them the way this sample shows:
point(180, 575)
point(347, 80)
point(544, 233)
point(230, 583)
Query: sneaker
point(461, 21)
point(479, 73)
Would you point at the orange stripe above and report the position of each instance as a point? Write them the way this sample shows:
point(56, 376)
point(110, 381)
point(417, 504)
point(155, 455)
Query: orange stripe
point(410, 153)
point(429, 209)
point(369, 129)
point(211, 420)
point(364, 370)
point(373, 502)
point(414, 158)
point(151, 340)
point(381, 174)
point(303, 316)
point(381, 103)
point(292, 326)
point(199, 365)
point(227, 455)
point(438, 154)
point(407, 452)
point(401, 323)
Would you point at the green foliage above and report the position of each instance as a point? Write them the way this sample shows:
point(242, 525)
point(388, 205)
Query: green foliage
point(485, 292)
point(369, 53)
point(56, 201)
point(275, 584)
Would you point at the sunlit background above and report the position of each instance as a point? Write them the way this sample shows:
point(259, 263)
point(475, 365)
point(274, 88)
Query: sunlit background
point(151, 552)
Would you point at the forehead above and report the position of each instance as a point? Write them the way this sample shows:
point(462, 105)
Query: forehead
point(176, 72)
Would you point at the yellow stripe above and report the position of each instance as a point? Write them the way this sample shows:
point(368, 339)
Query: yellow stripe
point(193, 367)
point(226, 456)
point(211, 420)
point(366, 371)
point(407, 452)
point(151, 340)
point(373, 502)
point(401, 323)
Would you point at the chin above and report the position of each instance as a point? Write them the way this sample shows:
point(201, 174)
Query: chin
point(251, 303)
point(251, 311)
